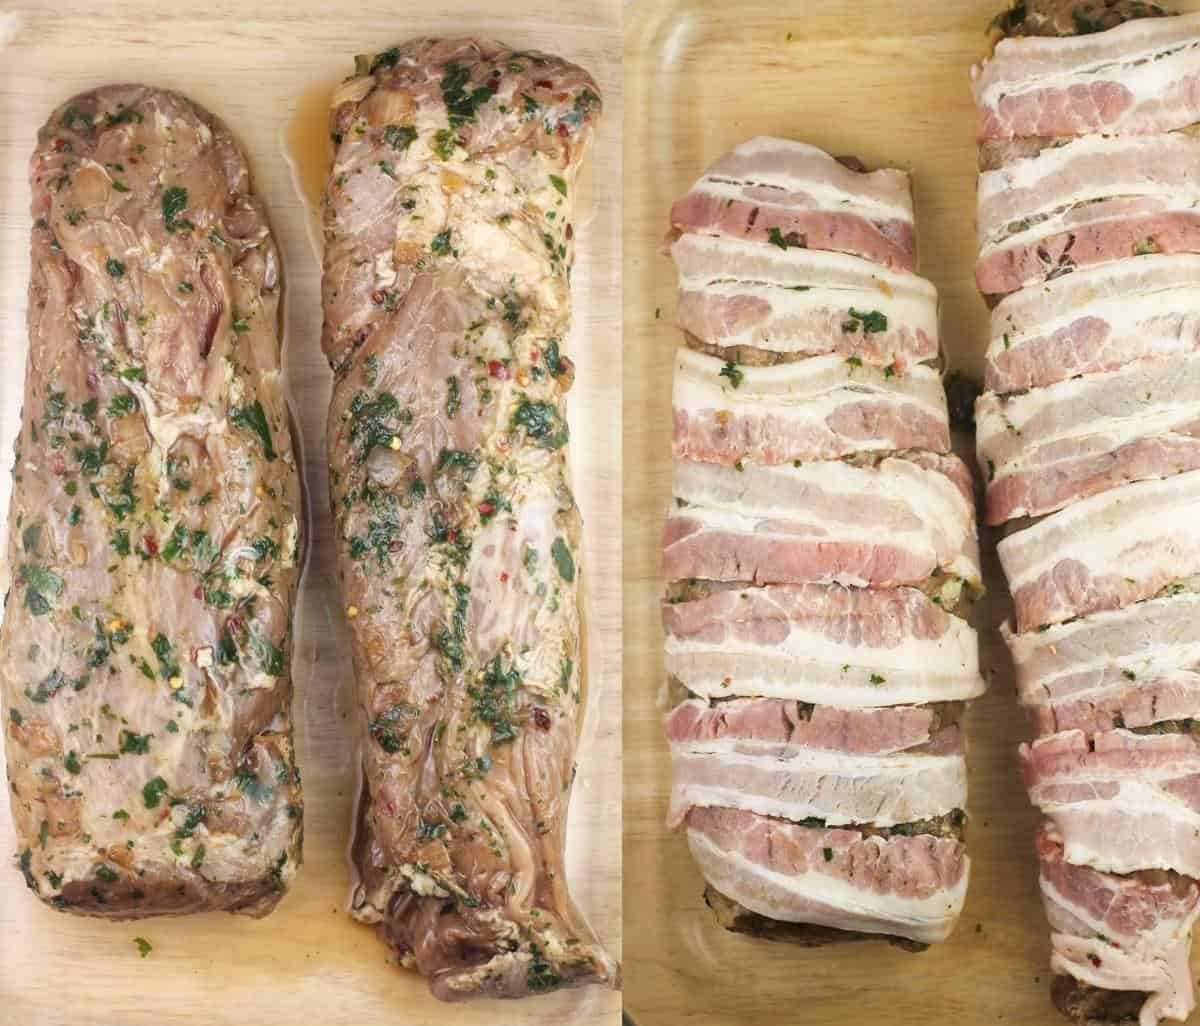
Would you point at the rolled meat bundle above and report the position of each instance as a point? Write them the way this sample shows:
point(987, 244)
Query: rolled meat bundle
point(820, 550)
point(1088, 439)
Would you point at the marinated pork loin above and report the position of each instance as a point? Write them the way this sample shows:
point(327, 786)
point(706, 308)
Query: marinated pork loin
point(1088, 232)
point(820, 541)
point(155, 527)
point(448, 250)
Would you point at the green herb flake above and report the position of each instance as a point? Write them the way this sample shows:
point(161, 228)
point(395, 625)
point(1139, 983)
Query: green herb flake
point(134, 744)
point(542, 424)
point(869, 321)
point(563, 561)
point(400, 137)
point(253, 418)
point(174, 202)
point(153, 792)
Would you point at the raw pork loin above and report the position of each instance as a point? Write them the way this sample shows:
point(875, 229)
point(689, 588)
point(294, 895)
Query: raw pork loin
point(448, 250)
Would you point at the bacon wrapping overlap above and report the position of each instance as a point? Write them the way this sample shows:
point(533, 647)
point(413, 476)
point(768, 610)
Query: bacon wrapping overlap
point(819, 549)
point(1088, 436)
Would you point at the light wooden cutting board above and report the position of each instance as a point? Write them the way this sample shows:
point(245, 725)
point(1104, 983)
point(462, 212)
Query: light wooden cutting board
point(253, 63)
point(886, 81)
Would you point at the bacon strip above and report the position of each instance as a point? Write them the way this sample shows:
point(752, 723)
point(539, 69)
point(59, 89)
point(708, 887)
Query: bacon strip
point(1090, 201)
point(1137, 78)
point(1120, 802)
point(1104, 552)
point(1097, 319)
point(776, 190)
point(805, 776)
point(1120, 933)
point(828, 644)
point(1131, 667)
point(1051, 446)
point(897, 522)
point(822, 408)
point(905, 886)
point(803, 302)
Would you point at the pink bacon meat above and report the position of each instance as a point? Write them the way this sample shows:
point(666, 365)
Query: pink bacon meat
point(1054, 445)
point(790, 194)
point(803, 302)
point(832, 877)
point(818, 409)
point(1096, 319)
point(1138, 78)
point(847, 647)
point(821, 522)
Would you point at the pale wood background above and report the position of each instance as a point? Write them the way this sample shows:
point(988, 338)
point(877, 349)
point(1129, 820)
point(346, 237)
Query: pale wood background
point(251, 63)
point(886, 81)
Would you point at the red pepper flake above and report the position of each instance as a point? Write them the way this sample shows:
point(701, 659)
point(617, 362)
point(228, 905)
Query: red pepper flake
point(487, 509)
point(497, 369)
point(451, 536)
point(541, 718)
point(389, 808)
point(377, 297)
point(544, 83)
point(563, 130)
point(395, 546)
point(1094, 959)
point(235, 625)
point(150, 544)
point(535, 354)
point(503, 576)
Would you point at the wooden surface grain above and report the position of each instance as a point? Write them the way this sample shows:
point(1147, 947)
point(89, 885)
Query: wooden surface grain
point(251, 63)
point(887, 82)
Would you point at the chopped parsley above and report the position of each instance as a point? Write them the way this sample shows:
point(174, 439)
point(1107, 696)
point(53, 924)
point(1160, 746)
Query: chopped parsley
point(174, 202)
point(869, 321)
point(153, 792)
point(734, 373)
point(400, 137)
point(462, 101)
point(563, 560)
point(541, 423)
point(134, 744)
point(253, 418)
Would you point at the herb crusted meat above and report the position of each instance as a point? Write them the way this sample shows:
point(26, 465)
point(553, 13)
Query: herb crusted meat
point(155, 526)
point(448, 249)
